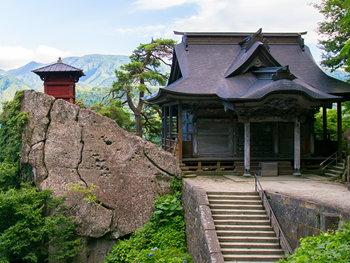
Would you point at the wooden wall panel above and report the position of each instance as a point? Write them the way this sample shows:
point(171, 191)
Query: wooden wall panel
point(213, 137)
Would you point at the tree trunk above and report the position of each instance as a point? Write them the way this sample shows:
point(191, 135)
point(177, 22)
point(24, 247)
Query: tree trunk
point(138, 121)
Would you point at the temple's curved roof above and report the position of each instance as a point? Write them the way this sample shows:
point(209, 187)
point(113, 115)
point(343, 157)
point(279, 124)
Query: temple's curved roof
point(239, 66)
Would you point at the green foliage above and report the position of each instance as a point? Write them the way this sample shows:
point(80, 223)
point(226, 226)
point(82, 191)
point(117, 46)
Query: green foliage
point(332, 122)
point(12, 123)
point(335, 34)
point(161, 240)
point(331, 246)
point(26, 234)
point(135, 78)
point(346, 23)
point(91, 96)
point(78, 188)
point(115, 111)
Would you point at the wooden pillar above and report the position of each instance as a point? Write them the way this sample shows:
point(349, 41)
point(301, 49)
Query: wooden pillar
point(247, 149)
point(275, 138)
point(312, 137)
point(234, 138)
point(170, 125)
point(164, 124)
point(339, 124)
point(297, 148)
point(179, 128)
point(324, 118)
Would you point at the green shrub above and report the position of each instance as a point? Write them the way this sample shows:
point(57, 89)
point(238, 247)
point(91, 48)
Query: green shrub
point(331, 246)
point(161, 240)
point(26, 233)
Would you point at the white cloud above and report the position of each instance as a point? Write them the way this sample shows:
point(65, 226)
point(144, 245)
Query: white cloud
point(145, 30)
point(14, 57)
point(162, 4)
point(239, 16)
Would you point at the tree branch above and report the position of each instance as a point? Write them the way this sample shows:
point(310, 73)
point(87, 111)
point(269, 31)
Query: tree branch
point(147, 121)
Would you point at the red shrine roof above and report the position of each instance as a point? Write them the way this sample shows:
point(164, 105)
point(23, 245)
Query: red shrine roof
point(58, 67)
point(245, 67)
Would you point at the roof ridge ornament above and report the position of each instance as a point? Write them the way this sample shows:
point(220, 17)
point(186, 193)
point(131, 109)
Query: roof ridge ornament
point(283, 73)
point(250, 40)
point(59, 60)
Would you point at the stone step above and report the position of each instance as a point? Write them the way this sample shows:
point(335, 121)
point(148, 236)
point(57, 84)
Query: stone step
point(243, 228)
point(247, 239)
point(235, 202)
point(237, 212)
point(184, 168)
point(236, 207)
point(286, 172)
point(249, 251)
point(233, 193)
point(246, 233)
point(334, 171)
point(242, 222)
point(248, 245)
point(190, 175)
point(262, 217)
point(330, 174)
point(252, 258)
point(338, 167)
point(233, 197)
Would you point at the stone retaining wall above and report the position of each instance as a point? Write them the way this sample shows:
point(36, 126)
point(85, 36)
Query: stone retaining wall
point(299, 218)
point(201, 237)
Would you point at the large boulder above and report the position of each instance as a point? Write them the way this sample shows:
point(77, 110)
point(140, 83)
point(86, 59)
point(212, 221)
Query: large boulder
point(65, 144)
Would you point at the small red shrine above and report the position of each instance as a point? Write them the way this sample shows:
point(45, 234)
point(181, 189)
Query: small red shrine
point(59, 80)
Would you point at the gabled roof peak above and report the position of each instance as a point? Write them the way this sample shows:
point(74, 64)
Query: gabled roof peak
point(248, 42)
point(283, 73)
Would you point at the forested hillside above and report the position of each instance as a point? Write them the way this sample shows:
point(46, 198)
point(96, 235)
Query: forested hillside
point(99, 71)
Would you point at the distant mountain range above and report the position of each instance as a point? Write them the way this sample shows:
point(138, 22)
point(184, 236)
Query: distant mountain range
point(99, 71)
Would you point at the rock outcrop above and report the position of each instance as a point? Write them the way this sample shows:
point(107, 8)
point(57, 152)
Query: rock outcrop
point(65, 144)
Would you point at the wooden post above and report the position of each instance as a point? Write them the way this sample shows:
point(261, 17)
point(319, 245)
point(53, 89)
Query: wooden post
point(312, 137)
point(324, 111)
point(247, 149)
point(170, 125)
point(297, 148)
point(276, 138)
point(234, 138)
point(179, 128)
point(340, 133)
point(163, 126)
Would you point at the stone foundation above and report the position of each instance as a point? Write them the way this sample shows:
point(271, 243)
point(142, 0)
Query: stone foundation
point(202, 241)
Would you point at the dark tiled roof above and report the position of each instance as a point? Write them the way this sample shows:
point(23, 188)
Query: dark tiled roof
point(58, 67)
point(206, 69)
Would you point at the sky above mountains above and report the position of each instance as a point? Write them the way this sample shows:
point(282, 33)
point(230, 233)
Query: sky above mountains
point(43, 30)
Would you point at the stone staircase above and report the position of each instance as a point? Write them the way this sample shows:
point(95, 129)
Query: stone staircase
point(336, 170)
point(243, 228)
point(284, 168)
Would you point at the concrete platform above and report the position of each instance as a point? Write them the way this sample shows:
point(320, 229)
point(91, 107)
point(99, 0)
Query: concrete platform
point(309, 187)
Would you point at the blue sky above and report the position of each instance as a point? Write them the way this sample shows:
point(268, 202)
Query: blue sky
point(41, 31)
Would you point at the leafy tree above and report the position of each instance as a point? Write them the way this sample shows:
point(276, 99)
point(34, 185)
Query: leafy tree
point(346, 23)
point(335, 33)
point(115, 111)
point(144, 68)
point(331, 246)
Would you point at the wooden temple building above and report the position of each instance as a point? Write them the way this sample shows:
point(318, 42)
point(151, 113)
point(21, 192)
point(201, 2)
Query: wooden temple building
point(235, 99)
point(59, 80)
